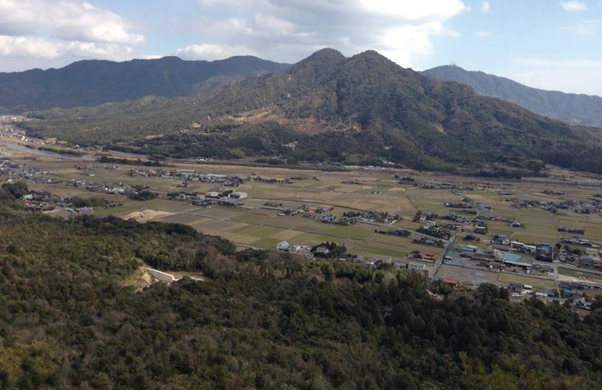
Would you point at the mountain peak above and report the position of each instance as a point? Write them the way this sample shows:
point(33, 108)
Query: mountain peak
point(320, 60)
point(372, 57)
point(327, 54)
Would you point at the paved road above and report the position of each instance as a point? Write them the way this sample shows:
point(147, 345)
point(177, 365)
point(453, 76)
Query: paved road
point(450, 245)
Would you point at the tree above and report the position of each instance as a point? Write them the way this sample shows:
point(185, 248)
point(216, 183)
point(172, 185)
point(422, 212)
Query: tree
point(535, 165)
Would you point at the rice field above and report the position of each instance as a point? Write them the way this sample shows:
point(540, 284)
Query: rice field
point(263, 228)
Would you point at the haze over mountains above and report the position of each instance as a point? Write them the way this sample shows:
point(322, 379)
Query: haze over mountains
point(567, 107)
point(89, 83)
point(349, 110)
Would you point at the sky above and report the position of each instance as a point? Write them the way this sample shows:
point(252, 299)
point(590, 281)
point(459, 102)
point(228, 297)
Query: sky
point(548, 44)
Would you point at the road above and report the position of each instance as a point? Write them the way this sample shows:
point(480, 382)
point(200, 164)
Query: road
point(450, 245)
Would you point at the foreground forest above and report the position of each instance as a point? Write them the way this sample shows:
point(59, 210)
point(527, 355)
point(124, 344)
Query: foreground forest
point(70, 317)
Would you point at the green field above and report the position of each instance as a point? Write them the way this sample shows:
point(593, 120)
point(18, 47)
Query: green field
point(535, 282)
point(579, 274)
point(252, 225)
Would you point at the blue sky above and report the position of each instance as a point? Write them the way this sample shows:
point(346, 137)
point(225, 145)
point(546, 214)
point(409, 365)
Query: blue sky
point(543, 43)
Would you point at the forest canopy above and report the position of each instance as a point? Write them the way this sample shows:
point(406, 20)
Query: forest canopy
point(70, 317)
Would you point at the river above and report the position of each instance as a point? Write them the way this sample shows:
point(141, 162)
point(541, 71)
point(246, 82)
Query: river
point(45, 153)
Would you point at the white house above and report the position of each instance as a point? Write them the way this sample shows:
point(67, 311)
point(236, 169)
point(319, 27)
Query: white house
point(238, 195)
point(283, 246)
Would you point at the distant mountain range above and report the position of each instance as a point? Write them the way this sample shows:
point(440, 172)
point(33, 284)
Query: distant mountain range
point(567, 107)
point(350, 110)
point(89, 83)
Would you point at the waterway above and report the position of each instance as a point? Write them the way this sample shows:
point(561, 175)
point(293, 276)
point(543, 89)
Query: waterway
point(45, 153)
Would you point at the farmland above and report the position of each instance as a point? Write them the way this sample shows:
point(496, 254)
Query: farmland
point(254, 225)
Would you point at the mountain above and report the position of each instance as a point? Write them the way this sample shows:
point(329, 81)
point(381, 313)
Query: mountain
point(567, 107)
point(359, 110)
point(89, 83)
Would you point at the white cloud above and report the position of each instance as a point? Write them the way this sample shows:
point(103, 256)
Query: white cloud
point(21, 47)
point(287, 30)
point(210, 52)
point(27, 47)
point(483, 34)
point(485, 6)
point(62, 31)
point(150, 57)
point(573, 5)
point(64, 20)
point(414, 10)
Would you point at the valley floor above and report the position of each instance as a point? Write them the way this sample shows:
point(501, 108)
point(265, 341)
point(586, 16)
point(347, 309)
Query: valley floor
point(260, 221)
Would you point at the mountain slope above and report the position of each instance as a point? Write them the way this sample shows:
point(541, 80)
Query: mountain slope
point(397, 113)
point(89, 83)
point(351, 110)
point(571, 108)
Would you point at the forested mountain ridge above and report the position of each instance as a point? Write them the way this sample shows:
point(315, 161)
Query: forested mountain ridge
point(568, 107)
point(93, 82)
point(69, 319)
point(355, 110)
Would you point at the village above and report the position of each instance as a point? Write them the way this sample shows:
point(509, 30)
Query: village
point(458, 231)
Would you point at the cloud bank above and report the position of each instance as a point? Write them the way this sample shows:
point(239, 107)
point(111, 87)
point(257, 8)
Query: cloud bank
point(63, 30)
point(287, 30)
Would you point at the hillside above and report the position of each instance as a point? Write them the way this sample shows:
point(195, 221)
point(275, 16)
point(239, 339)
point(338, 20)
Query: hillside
point(357, 110)
point(89, 83)
point(567, 107)
point(71, 317)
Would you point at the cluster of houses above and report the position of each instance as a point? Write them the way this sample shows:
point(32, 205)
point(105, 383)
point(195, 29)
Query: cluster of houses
point(349, 218)
point(423, 240)
point(37, 200)
point(480, 226)
point(588, 258)
point(423, 256)
point(555, 193)
point(592, 206)
point(563, 229)
point(577, 293)
point(15, 171)
point(191, 176)
point(437, 185)
point(469, 206)
point(323, 251)
point(211, 198)
point(8, 130)
point(576, 241)
point(105, 188)
point(188, 176)
point(397, 232)
point(494, 259)
point(302, 250)
point(40, 200)
point(503, 243)
point(271, 180)
point(373, 216)
point(455, 218)
point(433, 229)
point(7, 167)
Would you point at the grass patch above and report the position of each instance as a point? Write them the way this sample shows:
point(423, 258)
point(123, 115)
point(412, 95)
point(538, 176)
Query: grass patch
point(579, 274)
point(535, 282)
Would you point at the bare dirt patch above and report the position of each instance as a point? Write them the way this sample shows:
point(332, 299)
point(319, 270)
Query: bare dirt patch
point(147, 215)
